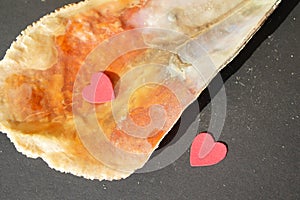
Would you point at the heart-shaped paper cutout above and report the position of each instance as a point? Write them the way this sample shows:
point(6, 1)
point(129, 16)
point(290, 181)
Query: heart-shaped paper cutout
point(100, 90)
point(206, 152)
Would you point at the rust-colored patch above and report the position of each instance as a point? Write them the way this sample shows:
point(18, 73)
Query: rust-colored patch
point(50, 101)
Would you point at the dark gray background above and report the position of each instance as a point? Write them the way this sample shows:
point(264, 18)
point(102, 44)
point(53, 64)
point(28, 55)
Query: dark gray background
point(261, 128)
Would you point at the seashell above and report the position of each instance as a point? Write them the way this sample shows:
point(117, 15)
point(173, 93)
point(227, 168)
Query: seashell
point(159, 55)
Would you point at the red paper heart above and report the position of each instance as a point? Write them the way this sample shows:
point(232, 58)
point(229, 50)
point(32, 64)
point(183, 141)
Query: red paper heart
point(206, 152)
point(100, 90)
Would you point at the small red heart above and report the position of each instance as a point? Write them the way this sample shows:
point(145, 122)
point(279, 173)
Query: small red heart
point(100, 90)
point(206, 152)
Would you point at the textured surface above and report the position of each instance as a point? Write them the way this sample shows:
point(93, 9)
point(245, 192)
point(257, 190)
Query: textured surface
point(45, 70)
point(261, 130)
